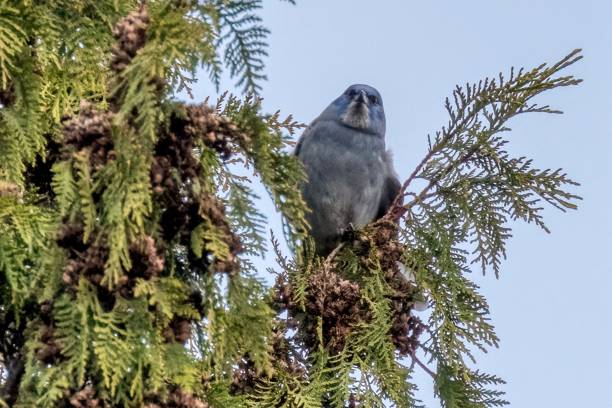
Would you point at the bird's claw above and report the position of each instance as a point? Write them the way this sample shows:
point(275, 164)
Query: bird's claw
point(348, 234)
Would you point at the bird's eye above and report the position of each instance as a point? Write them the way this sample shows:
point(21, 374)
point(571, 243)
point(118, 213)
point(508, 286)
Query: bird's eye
point(373, 99)
point(351, 92)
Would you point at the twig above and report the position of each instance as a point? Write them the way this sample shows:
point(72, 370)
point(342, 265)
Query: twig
point(332, 255)
point(415, 359)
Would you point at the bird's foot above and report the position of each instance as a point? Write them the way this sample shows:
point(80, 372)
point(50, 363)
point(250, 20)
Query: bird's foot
point(349, 233)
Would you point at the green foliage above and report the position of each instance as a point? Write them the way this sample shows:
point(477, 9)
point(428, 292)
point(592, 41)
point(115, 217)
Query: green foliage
point(473, 189)
point(13, 40)
point(241, 33)
point(238, 321)
point(266, 153)
point(473, 185)
point(128, 229)
point(126, 202)
point(23, 228)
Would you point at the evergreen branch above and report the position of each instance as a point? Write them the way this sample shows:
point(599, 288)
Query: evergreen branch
point(496, 102)
point(471, 180)
point(244, 39)
point(280, 173)
point(12, 41)
point(117, 308)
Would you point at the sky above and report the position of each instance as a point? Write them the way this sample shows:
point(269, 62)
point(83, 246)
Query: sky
point(552, 304)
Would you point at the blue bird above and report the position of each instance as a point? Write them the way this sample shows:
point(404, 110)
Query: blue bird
point(351, 180)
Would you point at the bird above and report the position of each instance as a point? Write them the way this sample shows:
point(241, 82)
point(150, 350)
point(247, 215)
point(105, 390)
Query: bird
point(351, 180)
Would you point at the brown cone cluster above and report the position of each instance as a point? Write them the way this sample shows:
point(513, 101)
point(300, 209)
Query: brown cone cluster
point(131, 35)
point(87, 398)
point(7, 95)
point(8, 189)
point(147, 263)
point(339, 304)
point(84, 398)
point(49, 352)
point(177, 399)
point(174, 172)
point(246, 377)
point(86, 260)
point(281, 355)
point(406, 327)
point(91, 130)
point(216, 131)
point(179, 330)
point(337, 301)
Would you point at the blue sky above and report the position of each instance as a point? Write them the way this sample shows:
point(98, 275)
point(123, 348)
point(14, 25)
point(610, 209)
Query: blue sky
point(552, 304)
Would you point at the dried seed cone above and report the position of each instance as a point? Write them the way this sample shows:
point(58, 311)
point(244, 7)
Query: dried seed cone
point(337, 301)
point(86, 260)
point(85, 398)
point(177, 399)
point(179, 330)
point(49, 352)
point(406, 328)
point(146, 261)
point(7, 96)
point(131, 35)
point(213, 209)
point(245, 377)
point(91, 129)
point(176, 170)
point(215, 130)
point(281, 355)
point(8, 189)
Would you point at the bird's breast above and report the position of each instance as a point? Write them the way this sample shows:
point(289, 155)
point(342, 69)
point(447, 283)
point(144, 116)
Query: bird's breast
point(346, 172)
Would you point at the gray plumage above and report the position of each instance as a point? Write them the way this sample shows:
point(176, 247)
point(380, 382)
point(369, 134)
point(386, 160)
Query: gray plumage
point(351, 180)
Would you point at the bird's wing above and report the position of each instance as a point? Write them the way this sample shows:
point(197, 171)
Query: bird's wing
point(298, 146)
point(390, 191)
point(391, 187)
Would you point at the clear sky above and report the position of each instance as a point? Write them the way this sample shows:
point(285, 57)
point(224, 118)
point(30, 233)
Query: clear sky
point(552, 304)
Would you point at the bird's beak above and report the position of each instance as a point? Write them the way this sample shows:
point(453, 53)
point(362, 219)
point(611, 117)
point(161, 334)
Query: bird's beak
point(362, 97)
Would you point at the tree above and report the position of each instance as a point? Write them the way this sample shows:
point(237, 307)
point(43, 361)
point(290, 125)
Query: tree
point(127, 228)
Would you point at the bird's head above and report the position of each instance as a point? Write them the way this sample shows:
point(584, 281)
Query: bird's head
point(359, 107)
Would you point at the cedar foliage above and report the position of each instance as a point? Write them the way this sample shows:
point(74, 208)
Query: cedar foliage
point(127, 230)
